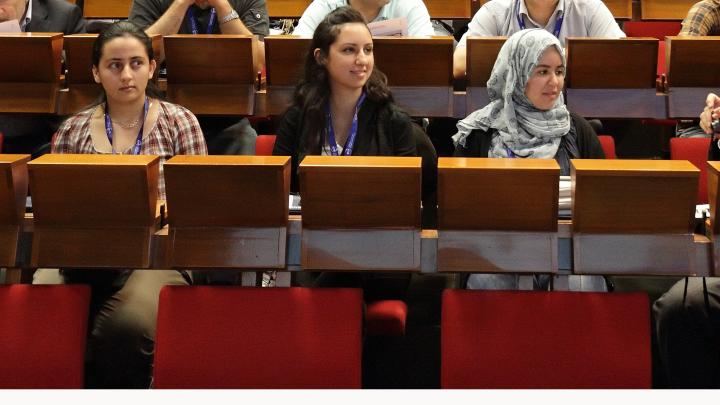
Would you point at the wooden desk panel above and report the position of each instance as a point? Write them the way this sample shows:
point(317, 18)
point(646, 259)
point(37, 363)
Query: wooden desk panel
point(13, 190)
point(82, 219)
point(449, 9)
point(228, 211)
point(665, 9)
point(360, 213)
point(620, 9)
point(211, 74)
point(31, 82)
point(419, 72)
point(119, 9)
point(481, 55)
point(287, 8)
point(623, 86)
point(285, 56)
point(693, 71)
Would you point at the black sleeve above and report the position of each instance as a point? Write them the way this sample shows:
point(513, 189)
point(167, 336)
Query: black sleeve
point(588, 143)
point(714, 151)
point(472, 147)
point(254, 15)
point(287, 141)
point(75, 22)
point(402, 133)
point(145, 13)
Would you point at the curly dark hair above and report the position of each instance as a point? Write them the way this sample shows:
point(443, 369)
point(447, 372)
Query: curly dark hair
point(313, 90)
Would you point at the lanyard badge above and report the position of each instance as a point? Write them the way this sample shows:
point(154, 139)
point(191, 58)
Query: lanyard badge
point(350, 143)
point(109, 129)
point(194, 23)
point(521, 22)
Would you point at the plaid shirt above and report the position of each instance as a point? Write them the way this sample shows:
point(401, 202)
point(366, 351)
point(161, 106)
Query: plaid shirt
point(702, 19)
point(176, 132)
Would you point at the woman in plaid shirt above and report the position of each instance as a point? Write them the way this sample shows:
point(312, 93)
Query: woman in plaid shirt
point(128, 118)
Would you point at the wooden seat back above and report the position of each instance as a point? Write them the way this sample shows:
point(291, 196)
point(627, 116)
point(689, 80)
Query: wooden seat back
point(13, 190)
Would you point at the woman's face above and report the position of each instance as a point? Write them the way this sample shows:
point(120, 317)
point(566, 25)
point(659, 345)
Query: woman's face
point(546, 80)
point(350, 58)
point(124, 69)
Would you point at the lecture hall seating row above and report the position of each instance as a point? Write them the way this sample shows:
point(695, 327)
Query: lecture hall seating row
point(232, 212)
point(301, 338)
point(625, 85)
point(440, 9)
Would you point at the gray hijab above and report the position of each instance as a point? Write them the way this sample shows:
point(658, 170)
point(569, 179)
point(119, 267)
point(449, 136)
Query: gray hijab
point(515, 124)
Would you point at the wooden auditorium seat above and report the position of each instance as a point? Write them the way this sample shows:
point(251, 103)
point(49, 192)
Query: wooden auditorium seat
point(233, 337)
point(626, 222)
point(694, 150)
point(693, 71)
point(31, 82)
point(620, 9)
point(287, 8)
point(623, 86)
point(449, 9)
point(42, 336)
point(285, 56)
point(94, 211)
point(608, 145)
point(211, 74)
point(227, 211)
point(264, 145)
point(484, 225)
point(13, 190)
point(713, 190)
point(534, 339)
point(115, 9)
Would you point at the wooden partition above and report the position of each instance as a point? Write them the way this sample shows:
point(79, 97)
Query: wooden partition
point(449, 9)
point(287, 8)
point(622, 86)
point(360, 213)
point(419, 72)
point(634, 217)
point(227, 211)
point(713, 184)
point(211, 74)
point(665, 9)
point(81, 87)
point(116, 9)
point(481, 55)
point(30, 72)
point(13, 190)
point(693, 71)
point(620, 9)
point(285, 56)
point(93, 211)
point(498, 215)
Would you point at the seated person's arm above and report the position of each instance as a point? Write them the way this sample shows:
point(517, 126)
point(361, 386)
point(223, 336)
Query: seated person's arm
point(310, 19)
point(402, 130)
point(602, 24)
point(459, 62)
point(711, 111)
point(419, 21)
point(482, 25)
point(143, 14)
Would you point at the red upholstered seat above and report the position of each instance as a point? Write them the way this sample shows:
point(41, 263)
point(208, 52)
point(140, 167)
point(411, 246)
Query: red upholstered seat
point(42, 335)
point(234, 337)
point(264, 145)
point(696, 151)
point(2, 138)
point(527, 339)
point(386, 318)
point(608, 144)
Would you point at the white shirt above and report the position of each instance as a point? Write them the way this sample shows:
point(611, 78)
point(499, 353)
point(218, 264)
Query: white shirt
point(414, 11)
point(581, 18)
point(28, 16)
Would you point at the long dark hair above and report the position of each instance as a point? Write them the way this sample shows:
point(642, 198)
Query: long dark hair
point(313, 91)
point(117, 30)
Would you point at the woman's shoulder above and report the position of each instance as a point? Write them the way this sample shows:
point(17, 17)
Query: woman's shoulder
point(174, 110)
point(78, 120)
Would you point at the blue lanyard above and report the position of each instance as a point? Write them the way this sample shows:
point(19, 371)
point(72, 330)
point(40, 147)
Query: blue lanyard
point(109, 129)
point(348, 148)
point(194, 23)
point(521, 22)
point(510, 153)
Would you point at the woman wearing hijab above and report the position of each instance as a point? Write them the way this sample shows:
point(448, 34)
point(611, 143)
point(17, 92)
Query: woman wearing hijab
point(526, 116)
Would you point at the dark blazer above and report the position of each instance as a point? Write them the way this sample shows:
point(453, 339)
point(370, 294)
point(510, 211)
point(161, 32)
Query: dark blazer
point(383, 130)
point(56, 16)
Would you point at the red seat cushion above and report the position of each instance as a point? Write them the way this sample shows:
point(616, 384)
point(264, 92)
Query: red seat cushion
point(386, 318)
point(608, 145)
point(234, 337)
point(525, 339)
point(264, 145)
point(42, 335)
point(696, 151)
